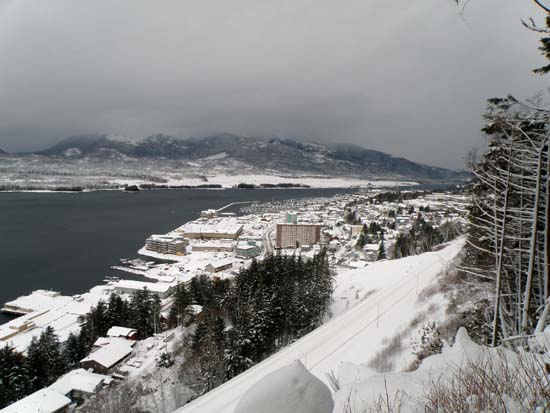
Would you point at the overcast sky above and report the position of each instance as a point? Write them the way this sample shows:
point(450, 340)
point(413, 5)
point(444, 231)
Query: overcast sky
point(406, 77)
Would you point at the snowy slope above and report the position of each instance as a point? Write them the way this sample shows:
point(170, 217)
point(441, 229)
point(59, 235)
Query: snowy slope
point(352, 336)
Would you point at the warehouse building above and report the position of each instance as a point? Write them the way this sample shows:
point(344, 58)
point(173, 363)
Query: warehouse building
point(216, 228)
point(162, 289)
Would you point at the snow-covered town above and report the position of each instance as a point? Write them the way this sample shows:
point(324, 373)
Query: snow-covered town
point(275, 207)
point(358, 231)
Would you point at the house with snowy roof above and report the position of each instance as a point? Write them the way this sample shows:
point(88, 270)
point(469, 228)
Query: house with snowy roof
point(122, 332)
point(220, 265)
point(78, 384)
point(108, 357)
point(42, 401)
point(103, 341)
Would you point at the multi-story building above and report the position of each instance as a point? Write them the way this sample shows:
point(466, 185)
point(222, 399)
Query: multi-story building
point(297, 235)
point(166, 244)
point(247, 250)
point(291, 218)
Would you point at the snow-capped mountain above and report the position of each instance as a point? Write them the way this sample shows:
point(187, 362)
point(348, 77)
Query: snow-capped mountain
point(275, 154)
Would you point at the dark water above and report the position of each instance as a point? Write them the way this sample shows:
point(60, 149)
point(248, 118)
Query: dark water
point(67, 241)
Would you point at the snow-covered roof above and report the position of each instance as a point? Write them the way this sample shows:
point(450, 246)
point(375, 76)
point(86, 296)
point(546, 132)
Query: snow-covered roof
point(39, 300)
point(222, 263)
point(79, 380)
point(212, 244)
point(212, 226)
point(160, 287)
point(165, 278)
point(117, 331)
point(165, 238)
point(246, 247)
point(42, 401)
point(110, 354)
point(61, 313)
point(103, 341)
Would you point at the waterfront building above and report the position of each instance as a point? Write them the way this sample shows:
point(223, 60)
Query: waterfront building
point(162, 289)
point(215, 228)
point(166, 244)
point(297, 235)
point(36, 301)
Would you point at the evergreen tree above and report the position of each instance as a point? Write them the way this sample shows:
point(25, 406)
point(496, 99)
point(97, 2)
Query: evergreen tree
point(268, 304)
point(382, 248)
point(14, 376)
point(117, 311)
point(45, 360)
point(145, 313)
point(181, 307)
point(201, 290)
point(73, 351)
point(98, 320)
point(361, 241)
point(544, 44)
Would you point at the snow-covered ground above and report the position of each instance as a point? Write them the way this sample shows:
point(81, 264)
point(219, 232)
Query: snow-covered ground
point(407, 389)
point(20, 173)
point(362, 319)
point(228, 181)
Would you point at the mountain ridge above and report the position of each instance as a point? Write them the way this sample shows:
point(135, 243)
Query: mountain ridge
point(281, 154)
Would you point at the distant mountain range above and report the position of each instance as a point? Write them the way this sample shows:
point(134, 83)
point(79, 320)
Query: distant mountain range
point(1, 151)
point(275, 154)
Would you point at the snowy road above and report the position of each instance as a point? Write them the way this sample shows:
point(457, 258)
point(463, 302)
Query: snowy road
point(344, 337)
point(268, 243)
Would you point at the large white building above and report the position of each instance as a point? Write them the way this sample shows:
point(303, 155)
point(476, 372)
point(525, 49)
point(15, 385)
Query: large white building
point(215, 228)
point(162, 289)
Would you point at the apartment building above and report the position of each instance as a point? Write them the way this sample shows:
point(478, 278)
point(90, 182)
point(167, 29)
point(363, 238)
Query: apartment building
point(297, 235)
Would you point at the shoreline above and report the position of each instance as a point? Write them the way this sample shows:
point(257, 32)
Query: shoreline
point(338, 184)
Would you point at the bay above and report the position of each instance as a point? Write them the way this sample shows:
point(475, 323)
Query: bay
point(67, 241)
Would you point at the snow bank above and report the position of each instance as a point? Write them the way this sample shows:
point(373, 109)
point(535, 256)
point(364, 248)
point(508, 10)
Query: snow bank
point(287, 390)
point(353, 397)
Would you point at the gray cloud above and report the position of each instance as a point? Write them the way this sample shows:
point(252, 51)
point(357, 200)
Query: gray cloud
point(409, 78)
